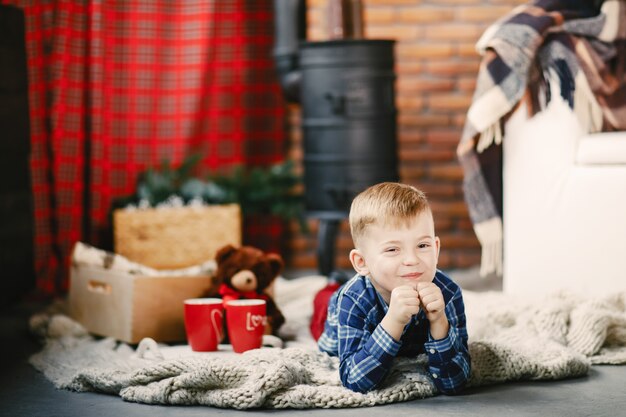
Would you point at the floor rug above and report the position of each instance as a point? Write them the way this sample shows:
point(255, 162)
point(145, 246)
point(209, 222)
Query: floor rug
point(511, 338)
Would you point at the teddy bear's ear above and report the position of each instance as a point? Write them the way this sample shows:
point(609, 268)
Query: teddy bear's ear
point(276, 263)
point(224, 253)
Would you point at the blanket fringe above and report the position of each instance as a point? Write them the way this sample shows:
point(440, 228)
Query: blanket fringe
point(489, 234)
point(586, 107)
point(491, 135)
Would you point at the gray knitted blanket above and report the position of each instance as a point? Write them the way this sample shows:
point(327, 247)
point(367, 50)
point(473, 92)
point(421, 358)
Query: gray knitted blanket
point(510, 339)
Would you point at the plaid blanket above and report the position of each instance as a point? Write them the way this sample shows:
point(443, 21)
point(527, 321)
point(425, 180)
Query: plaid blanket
point(575, 47)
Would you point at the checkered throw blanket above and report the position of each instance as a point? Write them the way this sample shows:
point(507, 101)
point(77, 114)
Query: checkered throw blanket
point(575, 47)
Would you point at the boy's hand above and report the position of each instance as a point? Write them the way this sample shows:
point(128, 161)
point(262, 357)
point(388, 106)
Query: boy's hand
point(433, 303)
point(403, 304)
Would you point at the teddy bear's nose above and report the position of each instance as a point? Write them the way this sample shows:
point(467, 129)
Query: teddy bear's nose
point(248, 280)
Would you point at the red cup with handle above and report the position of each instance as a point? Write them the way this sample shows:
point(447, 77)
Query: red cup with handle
point(203, 323)
point(246, 320)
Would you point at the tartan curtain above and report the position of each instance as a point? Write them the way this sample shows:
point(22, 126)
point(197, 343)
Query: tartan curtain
point(117, 86)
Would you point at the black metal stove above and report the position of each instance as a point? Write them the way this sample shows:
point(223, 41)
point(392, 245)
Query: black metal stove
point(346, 89)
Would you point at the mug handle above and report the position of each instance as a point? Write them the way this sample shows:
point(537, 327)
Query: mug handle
point(217, 324)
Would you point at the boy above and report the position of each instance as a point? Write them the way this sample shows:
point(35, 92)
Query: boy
point(398, 303)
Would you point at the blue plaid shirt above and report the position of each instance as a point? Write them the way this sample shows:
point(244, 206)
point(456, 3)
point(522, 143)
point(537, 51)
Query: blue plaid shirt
point(366, 351)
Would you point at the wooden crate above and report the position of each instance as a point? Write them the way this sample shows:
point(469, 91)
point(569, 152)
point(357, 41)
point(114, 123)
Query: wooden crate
point(129, 307)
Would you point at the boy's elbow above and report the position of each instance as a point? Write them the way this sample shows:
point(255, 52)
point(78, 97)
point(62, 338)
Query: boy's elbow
point(362, 386)
point(456, 383)
point(454, 387)
point(357, 388)
point(452, 390)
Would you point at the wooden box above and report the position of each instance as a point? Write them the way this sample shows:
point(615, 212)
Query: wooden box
point(170, 238)
point(130, 307)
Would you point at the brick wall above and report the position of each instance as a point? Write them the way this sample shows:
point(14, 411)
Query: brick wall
point(436, 67)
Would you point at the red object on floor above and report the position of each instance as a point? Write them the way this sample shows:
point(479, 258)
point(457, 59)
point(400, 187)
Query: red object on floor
point(320, 308)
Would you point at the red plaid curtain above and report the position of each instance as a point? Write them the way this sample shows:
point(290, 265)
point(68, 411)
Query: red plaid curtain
point(117, 86)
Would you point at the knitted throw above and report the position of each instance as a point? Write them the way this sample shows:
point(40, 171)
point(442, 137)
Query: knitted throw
point(510, 339)
point(577, 45)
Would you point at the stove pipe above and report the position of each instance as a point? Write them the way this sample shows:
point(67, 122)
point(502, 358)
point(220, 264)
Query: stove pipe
point(346, 90)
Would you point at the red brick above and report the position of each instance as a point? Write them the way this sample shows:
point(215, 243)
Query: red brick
point(460, 2)
point(457, 241)
point(344, 243)
point(404, 102)
point(373, 15)
point(424, 50)
point(294, 114)
point(465, 224)
point(342, 261)
point(317, 34)
point(439, 191)
point(467, 83)
point(449, 208)
point(410, 173)
point(446, 171)
point(423, 120)
point(443, 137)
point(459, 119)
point(467, 50)
point(415, 84)
point(410, 136)
point(426, 155)
point(316, 4)
point(301, 243)
point(392, 32)
point(294, 228)
point(409, 68)
point(485, 14)
point(316, 18)
point(425, 15)
point(453, 32)
point(445, 259)
point(466, 259)
point(442, 224)
point(302, 261)
point(453, 67)
point(511, 3)
point(392, 2)
point(295, 154)
point(449, 101)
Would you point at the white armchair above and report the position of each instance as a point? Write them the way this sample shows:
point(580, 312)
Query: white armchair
point(564, 205)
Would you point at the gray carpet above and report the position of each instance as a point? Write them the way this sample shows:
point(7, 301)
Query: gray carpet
point(25, 392)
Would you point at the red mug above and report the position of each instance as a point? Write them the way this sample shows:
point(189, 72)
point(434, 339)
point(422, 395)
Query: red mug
point(246, 320)
point(203, 323)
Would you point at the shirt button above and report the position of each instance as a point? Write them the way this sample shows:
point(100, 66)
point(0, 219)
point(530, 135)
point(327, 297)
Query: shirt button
point(435, 376)
point(432, 350)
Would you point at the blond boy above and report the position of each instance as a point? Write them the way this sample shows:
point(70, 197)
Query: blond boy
point(398, 303)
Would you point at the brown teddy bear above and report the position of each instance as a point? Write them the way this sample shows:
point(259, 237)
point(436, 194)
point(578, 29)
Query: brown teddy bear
point(248, 272)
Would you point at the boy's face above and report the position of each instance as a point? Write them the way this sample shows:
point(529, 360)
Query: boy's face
point(398, 255)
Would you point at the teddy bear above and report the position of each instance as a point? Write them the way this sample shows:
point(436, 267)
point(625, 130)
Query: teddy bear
point(248, 272)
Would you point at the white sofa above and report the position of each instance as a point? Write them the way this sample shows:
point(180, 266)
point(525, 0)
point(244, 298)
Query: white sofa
point(564, 205)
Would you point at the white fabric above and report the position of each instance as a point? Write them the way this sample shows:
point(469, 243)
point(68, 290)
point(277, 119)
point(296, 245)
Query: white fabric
point(602, 149)
point(564, 209)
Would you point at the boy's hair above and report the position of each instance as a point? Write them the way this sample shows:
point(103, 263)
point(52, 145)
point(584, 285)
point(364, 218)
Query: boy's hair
point(387, 203)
